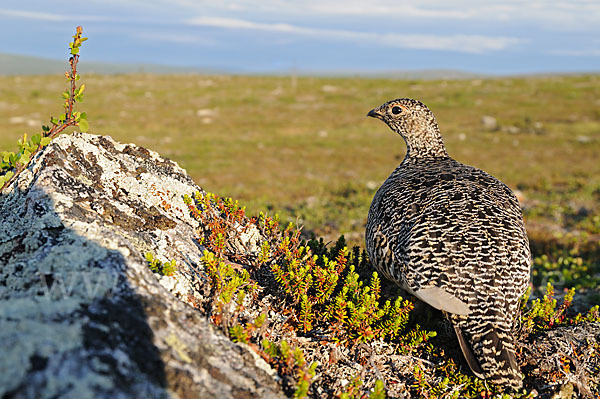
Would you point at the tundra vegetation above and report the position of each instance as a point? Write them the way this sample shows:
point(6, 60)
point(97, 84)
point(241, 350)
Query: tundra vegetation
point(300, 153)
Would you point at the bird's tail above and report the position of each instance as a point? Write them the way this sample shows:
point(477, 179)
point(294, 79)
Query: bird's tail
point(491, 355)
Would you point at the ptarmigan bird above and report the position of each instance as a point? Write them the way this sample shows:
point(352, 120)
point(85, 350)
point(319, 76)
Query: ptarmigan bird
point(453, 236)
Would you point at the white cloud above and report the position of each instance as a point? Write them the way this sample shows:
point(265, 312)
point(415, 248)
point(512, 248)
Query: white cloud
point(398, 9)
point(52, 17)
point(565, 15)
point(183, 38)
point(553, 15)
point(457, 42)
point(40, 16)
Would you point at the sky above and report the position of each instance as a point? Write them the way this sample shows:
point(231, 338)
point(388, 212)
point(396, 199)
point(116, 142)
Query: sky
point(275, 36)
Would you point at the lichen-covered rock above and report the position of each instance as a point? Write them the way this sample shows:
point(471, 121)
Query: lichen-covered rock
point(81, 314)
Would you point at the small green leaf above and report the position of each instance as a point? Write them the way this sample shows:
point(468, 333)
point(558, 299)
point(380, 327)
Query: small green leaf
point(35, 139)
point(83, 116)
point(65, 94)
point(12, 159)
point(25, 157)
point(45, 128)
point(83, 125)
point(6, 177)
point(45, 141)
point(74, 50)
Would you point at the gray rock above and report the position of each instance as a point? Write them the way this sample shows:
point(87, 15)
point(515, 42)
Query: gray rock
point(583, 139)
point(511, 129)
point(489, 123)
point(538, 127)
point(81, 314)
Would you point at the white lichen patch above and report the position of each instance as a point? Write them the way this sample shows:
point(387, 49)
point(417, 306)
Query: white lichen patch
point(179, 285)
point(251, 239)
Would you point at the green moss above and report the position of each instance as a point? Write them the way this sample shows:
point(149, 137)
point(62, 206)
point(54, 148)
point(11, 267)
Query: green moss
point(544, 313)
point(164, 269)
point(290, 361)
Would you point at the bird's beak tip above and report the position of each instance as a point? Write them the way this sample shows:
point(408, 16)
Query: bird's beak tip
point(374, 114)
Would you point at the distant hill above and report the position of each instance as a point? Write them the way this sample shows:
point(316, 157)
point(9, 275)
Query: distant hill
point(430, 74)
point(423, 74)
point(14, 64)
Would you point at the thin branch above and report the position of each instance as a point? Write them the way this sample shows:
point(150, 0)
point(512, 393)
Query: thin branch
point(70, 118)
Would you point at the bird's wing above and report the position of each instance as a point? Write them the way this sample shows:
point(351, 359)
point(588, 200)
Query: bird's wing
point(442, 300)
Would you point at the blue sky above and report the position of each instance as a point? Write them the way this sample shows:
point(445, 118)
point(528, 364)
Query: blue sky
point(491, 37)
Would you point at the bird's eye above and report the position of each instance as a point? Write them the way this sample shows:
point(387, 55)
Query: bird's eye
point(396, 110)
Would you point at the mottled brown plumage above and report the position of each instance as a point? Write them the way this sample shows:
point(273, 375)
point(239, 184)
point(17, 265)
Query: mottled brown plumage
point(453, 236)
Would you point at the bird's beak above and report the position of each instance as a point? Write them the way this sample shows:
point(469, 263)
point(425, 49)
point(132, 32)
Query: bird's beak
point(374, 114)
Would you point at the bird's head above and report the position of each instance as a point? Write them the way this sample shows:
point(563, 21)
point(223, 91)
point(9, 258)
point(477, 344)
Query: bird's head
point(405, 116)
point(415, 123)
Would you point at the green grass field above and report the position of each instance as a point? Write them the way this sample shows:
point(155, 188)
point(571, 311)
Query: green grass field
point(305, 149)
